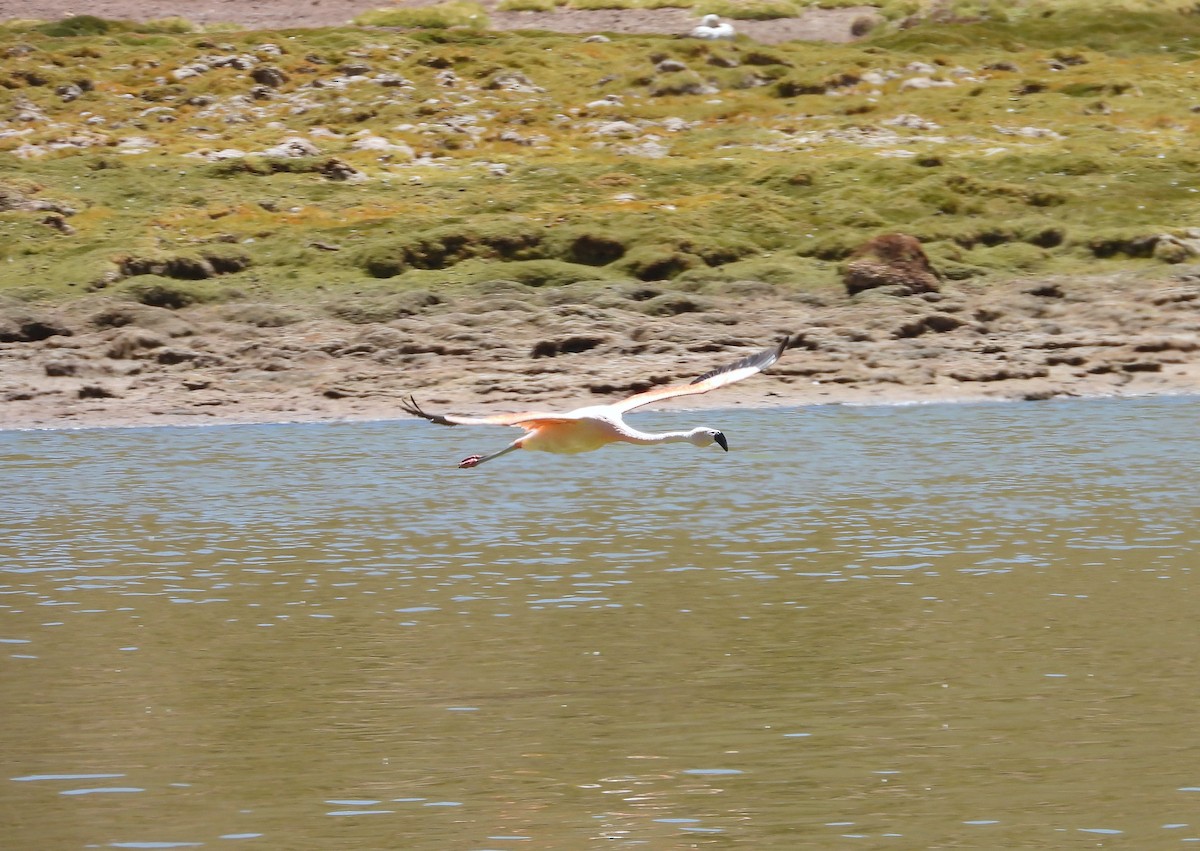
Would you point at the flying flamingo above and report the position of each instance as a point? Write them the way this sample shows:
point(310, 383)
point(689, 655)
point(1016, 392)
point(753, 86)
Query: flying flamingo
point(585, 429)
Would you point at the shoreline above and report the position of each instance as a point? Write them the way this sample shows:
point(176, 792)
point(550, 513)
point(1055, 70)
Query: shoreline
point(401, 417)
point(830, 25)
point(103, 362)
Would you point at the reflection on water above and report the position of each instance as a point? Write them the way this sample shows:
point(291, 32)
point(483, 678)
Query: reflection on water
point(942, 626)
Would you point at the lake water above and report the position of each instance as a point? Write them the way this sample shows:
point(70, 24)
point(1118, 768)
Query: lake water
point(949, 626)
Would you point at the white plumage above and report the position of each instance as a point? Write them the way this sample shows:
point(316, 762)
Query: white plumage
point(711, 28)
point(586, 429)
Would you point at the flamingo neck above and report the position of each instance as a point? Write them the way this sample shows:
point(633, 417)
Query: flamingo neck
point(644, 438)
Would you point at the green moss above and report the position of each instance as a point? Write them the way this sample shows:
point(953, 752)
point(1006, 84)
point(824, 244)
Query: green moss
point(792, 164)
point(526, 5)
point(79, 25)
point(749, 10)
point(455, 13)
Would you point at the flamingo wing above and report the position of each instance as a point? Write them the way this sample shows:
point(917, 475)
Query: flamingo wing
point(719, 377)
point(526, 419)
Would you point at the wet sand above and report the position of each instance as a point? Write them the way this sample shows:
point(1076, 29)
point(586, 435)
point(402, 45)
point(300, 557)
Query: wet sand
point(102, 362)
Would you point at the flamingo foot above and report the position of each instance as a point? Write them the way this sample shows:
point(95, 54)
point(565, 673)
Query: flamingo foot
point(470, 461)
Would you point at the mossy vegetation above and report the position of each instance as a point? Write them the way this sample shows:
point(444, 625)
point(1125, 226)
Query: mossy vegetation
point(178, 167)
point(455, 13)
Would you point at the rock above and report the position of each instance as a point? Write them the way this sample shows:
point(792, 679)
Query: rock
point(382, 146)
point(566, 346)
point(911, 122)
point(1174, 249)
point(293, 146)
point(189, 71)
point(21, 325)
point(1048, 290)
point(14, 199)
point(267, 75)
point(26, 111)
point(1011, 372)
point(156, 319)
point(128, 343)
point(61, 368)
point(69, 92)
point(938, 323)
point(926, 83)
point(893, 260)
point(95, 391)
point(244, 62)
point(336, 169)
point(621, 129)
point(59, 224)
point(512, 81)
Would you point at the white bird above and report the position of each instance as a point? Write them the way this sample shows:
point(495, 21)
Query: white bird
point(589, 428)
point(712, 28)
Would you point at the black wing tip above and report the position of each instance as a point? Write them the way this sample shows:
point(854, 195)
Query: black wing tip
point(761, 360)
point(410, 406)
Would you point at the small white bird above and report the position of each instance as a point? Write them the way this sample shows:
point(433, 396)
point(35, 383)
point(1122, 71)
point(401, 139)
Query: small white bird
point(712, 28)
point(586, 429)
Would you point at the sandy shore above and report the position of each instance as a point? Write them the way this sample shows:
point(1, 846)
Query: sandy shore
point(812, 25)
point(100, 362)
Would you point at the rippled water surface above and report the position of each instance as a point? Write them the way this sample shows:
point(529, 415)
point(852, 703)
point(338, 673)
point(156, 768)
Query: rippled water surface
point(969, 626)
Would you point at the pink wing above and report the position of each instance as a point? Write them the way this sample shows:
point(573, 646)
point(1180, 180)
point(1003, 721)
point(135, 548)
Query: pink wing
point(525, 419)
point(744, 368)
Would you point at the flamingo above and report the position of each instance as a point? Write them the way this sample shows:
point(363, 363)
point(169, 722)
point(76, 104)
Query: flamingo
point(711, 28)
point(589, 428)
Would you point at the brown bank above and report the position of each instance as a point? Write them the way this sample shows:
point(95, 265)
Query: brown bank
point(100, 362)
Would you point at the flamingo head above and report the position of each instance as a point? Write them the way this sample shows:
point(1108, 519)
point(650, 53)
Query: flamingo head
point(707, 437)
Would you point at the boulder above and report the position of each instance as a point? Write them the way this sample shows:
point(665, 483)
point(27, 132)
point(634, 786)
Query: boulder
point(895, 261)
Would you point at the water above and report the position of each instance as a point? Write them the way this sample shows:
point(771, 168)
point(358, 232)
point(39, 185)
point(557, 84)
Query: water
point(966, 626)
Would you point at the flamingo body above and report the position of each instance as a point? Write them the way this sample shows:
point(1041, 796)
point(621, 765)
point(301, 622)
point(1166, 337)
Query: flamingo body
point(589, 428)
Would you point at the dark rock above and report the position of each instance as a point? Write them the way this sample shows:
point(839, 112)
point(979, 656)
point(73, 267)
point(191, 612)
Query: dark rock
point(893, 260)
point(566, 346)
point(1047, 291)
point(1142, 366)
point(170, 357)
point(1012, 372)
point(938, 323)
point(266, 75)
point(95, 391)
point(27, 326)
point(59, 224)
point(336, 169)
point(61, 368)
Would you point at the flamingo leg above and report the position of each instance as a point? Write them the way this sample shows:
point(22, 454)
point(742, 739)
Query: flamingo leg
point(476, 460)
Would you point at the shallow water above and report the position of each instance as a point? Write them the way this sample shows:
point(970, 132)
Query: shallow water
point(969, 626)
